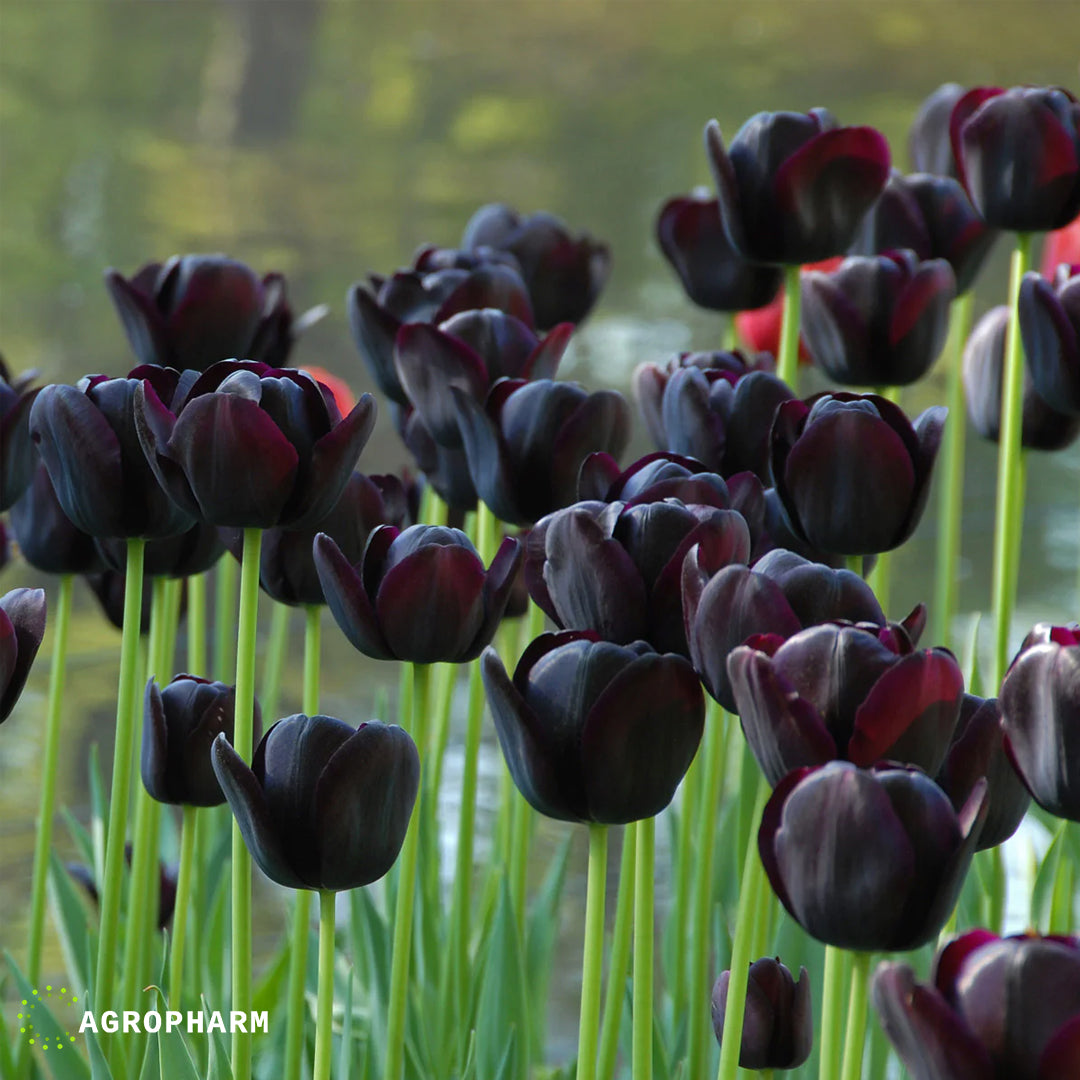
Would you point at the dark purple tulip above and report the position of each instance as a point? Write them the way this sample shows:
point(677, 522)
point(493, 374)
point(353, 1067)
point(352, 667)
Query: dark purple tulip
point(794, 187)
point(471, 351)
point(444, 468)
point(22, 626)
point(420, 595)
point(929, 144)
point(83, 876)
point(194, 310)
point(16, 449)
point(998, 1009)
point(593, 731)
point(564, 273)
point(324, 805)
point(851, 471)
point(862, 693)
point(877, 320)
point(868, 859)
point(1043, 427)
point(180, 724)
point(932, 216)
point(978, 750)
point(778, 1025)
point(87, 437)
point(439, 285)
point(1039, 709)
point(691, 236)
point(526, 444)
point(778, 533)
point(1050, 329)
point(1018, 155)
point(193, 552)
point(246, 445)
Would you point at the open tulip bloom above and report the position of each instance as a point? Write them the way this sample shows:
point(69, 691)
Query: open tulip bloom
point(16, 449)
point(22, 626)
point(1050, 328)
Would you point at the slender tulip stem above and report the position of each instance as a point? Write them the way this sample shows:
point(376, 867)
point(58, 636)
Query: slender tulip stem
point(123, 758)
point(274, 661)
point(619, 964)
point(188, 833)
point(836, 964)
point(61, 622)
point(593, 956)
point(1009, 517)
point(243, 739)
point(196, 624)
point(324, 1026)
point(644, 931)
point(225, 585)
point(855, 1037)
point(406, 895)
point(752, 892)
point(787, 363)
point(951, 477)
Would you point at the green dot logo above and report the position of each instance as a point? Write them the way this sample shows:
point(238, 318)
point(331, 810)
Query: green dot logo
point(43, 1018)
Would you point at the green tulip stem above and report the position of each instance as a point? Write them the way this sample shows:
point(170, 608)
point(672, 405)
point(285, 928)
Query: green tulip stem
point(644, 932)
point(752, 894)
point(855, 1037)
point(593, 955)
point(787, 363)
point(1009, 517)
point(188, 832)
point(854, 563)
point(324, 1019)
point(619, 963)
point(274, 661)
point(715, 748)
point(225, 585)
point(196, 625)
point(951, 476)
point(406, 895)
point(61, 622)
point(832, 1011)
point(123, 758)
point(243, 738)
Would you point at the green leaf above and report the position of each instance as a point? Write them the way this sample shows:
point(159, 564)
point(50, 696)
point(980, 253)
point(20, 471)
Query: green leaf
point(99, 1067)
point(370, 938)
point(173, 1053)
point(541, 930)
point(274, 982)
point(972, 672)
point(79, 835)
point(151, 1066)
point(1043, 890)
point(99, 814)
point(345, 1058)
point(218, 1066)
point(72, 921)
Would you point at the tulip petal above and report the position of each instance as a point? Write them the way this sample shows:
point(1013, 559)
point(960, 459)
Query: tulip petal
point(1060, 1059)
point(154, 423)
point(543, 361)
point(727, 187)
point(490, 285)
point(22, 626)
point(498, 582)
point(347, 600)
point(143, 323)
point(489, 460)
point(154, 758)
point(1051, 344)
point(374, 330)
point(600, 422)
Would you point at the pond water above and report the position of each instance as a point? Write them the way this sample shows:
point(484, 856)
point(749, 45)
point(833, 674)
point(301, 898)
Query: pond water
point(327, 140)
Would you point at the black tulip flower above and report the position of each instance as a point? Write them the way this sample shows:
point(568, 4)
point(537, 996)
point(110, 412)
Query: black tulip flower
point(656, 476)
point(22, 626)
point(978, 750)
point(1042, 427)
point(563, 273)
point(929, 144)
point(87, 437)
point(246, 445)
point(691, 236)
point(868, 859)
point(471, 351)
point(851, 471)
point(996, 1008)
point(526, 444)
point(862, 693)
point(794, 187)
point(83, 876)
point(1050, 329)
point(592, 731)
point(194, 310)
point(420, 595)
point(439, 285)
point(192, 552)
point(180, 724)
point(445, 468)
point(878, 320)
point(932, 216)
point(16, 449)
point(1018, 155)
point(778, 1025)
point(324, 805)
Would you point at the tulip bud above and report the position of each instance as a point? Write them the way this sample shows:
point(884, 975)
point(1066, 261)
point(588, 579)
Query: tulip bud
point(1050, 329)
point(22, 626)
point(16, 449)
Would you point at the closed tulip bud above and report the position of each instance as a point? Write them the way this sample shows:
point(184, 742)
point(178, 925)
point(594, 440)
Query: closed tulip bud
point(16, 449)
point(929, 144)
point(22, 626)
point(1050, 329)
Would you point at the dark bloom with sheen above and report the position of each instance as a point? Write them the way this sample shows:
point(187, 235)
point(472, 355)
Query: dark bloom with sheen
point(929, 144)
point(996, 1009)
point(592, 731)
point(83, 876)
point(420, 595)
point(1018, 155)
point(324, 805)
point(692, 238)
point(16, 449)
point(851, 471)
point(250, 446)
point(1043, 427)
point(194, 310)
point(778, 1025)
point(868, 859)
point(794, 187)
point(22, 626)
point(445, 468)
point(563, 273)
point(180, 724)
point(878, 320)
point(1050, 329)
point(526, 444)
